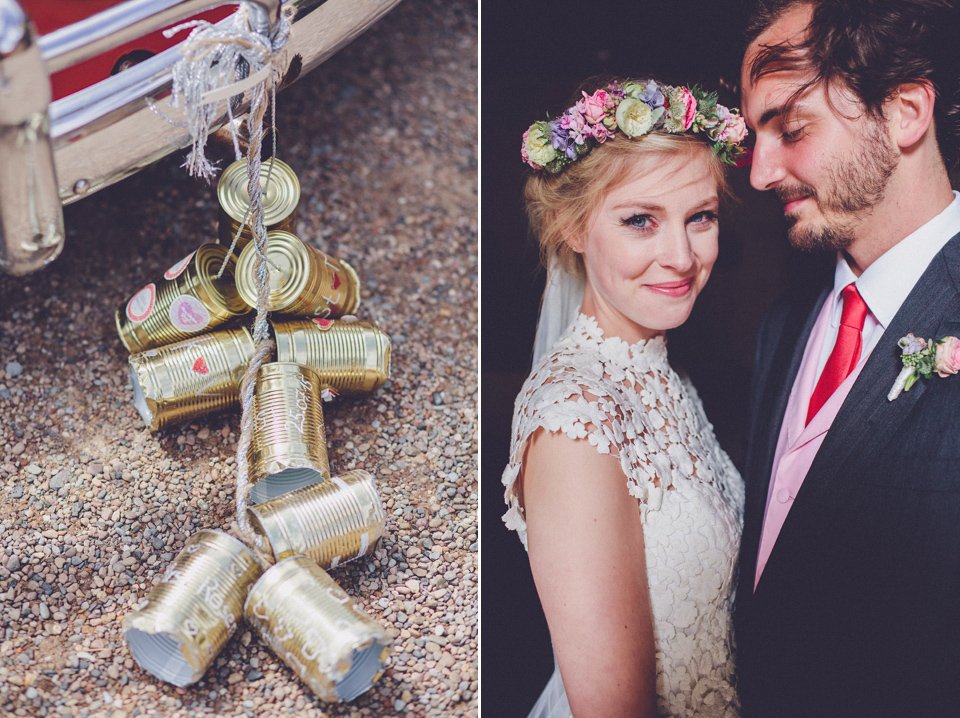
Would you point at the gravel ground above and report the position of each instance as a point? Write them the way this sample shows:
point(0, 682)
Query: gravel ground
point(93, 506)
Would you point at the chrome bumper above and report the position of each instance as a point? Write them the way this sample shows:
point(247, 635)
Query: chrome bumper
point(55, 153)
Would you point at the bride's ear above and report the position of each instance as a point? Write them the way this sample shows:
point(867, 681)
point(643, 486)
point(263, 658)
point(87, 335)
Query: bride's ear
point(570, 237)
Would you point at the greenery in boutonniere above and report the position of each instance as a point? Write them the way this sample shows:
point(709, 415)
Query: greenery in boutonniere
point(922, 358)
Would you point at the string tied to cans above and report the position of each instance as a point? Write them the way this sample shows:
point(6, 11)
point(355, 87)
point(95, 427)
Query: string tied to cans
point(210, 72)
point(305, 519)
point(219, 63)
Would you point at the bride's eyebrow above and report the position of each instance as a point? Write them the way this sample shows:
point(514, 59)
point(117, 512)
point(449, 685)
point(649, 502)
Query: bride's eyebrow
point(638, 204)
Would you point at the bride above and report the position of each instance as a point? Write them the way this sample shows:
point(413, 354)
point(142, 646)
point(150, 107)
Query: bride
point(628, 508)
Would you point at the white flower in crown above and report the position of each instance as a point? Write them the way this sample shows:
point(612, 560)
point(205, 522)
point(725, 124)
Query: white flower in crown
point(635, 117)
point(536, 149)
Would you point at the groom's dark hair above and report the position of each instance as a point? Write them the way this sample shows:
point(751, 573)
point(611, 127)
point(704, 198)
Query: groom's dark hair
point(872, 47)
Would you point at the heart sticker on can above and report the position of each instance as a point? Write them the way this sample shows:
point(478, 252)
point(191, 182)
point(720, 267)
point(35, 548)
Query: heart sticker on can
point(200, 366)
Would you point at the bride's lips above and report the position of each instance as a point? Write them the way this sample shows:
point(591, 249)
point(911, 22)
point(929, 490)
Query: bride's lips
point(672, 289)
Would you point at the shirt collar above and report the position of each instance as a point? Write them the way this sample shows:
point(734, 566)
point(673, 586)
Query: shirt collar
point(885, 284)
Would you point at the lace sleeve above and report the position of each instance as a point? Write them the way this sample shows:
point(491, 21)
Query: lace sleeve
point(579, 396)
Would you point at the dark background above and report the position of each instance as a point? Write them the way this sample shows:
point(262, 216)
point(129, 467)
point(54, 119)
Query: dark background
point(533, 56)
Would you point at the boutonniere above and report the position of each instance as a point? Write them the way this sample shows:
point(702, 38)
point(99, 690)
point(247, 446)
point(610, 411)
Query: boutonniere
point(923, 358)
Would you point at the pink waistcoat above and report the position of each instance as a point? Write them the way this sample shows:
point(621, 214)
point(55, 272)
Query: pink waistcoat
point(798, 444)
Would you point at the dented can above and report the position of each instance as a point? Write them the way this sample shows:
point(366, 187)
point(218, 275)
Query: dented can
point(281, 195)
point(179, 382)
point(189, 299)
point(288, 446)
point(193, 611)
point(317, 629)
point(331, 522)
point(351, 356)
point(304, 282)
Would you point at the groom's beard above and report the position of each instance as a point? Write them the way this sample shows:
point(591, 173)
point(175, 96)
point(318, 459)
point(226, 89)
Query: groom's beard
point(853, 186)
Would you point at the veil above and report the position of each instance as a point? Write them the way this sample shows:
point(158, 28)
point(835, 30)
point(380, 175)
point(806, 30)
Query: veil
point(558, 308)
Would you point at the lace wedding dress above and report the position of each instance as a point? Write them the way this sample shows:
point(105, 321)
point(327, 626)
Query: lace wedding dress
point(689, 495)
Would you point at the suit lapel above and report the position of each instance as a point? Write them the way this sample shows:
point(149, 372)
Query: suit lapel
point(866, 416)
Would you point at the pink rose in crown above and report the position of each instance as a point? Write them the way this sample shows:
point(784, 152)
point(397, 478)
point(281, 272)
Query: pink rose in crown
point(682, 109)
point(947, 359)
point(735, 131)
point(594, 107)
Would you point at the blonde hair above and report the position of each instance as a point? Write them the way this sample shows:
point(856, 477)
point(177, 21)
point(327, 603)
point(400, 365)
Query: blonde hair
point(561, 206)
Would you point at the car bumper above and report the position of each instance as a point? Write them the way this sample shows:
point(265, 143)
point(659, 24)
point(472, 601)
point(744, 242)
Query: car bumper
point(58, 152)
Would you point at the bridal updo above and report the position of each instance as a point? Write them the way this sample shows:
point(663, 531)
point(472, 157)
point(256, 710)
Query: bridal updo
point(562, 205)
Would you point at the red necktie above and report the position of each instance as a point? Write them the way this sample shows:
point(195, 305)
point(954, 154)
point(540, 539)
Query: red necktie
point(846, 352)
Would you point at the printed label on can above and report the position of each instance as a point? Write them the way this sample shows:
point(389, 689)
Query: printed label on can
point(141, 304)
point(331, 310)
point(188, 314)
point(200, 366)
point(177, 269)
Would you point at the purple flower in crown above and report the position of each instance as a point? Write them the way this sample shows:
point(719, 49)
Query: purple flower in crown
point(650, 94)
point(575, 125)
point(561, 140)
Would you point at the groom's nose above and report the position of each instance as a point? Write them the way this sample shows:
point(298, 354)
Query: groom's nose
point(766, 169)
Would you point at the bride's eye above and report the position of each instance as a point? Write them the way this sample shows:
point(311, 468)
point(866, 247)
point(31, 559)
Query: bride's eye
point(639, 221)
point(705, 217)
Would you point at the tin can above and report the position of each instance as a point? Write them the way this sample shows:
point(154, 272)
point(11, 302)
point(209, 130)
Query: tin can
point(187, 300)
point(304, 282)
point(351, 356)
point(195, 377)
point(288, 447)
point(317, 629)
point(331, 522)
point(194, 610)
point(281, 195)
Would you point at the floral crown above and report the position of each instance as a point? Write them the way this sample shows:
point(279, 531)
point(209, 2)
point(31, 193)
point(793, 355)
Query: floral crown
point(635, 109)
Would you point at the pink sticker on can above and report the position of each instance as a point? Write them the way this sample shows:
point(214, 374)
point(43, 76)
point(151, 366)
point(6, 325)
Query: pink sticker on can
point(188, 314)
point(177, 269)
point(141, 304)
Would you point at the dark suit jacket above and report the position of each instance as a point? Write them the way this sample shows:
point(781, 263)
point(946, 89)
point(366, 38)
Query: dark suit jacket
point(857, 612)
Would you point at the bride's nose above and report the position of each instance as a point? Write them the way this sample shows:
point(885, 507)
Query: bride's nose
point(676, 251)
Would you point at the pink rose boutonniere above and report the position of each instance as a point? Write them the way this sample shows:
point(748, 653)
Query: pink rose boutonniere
point(923, 358)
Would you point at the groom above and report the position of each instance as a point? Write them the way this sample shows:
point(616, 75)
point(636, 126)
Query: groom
point(849, 595)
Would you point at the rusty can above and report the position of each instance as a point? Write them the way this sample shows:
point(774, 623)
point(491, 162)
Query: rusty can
point(189, 299)
point(281, 195)
point(331, 522)
point(288, 446)
point(304, 282)
point(317, 629)
point(179, 382)
point(351, 356)
point(193, 611)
